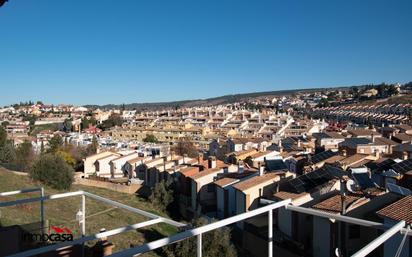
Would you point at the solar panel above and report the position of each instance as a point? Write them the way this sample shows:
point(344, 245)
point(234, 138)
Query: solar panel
point(363, 180)
point(403, 167)
point(310, 180)
point(398, 189)
point(323, 156)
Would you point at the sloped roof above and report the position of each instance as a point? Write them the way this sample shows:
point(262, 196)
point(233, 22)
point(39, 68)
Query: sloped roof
point(399, 210)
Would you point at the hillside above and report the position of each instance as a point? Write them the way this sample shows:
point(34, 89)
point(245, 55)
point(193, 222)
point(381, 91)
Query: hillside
point(226, 99)
point(62, 212)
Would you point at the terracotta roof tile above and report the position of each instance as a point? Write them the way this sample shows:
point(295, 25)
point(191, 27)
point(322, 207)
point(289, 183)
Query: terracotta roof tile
point(399, 210)
point(257, 180)
point(334, 204)
point(225, 181)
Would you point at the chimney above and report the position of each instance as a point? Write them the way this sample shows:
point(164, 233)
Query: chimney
point(405, 155)
point(164, 163)
point(212, 162)
point(261, 169)
point(373, 138)
point(225, 170)
point(299, 143)
point(172, 155)
point(240, 166)
point(377, 154)
point(184, 158)
point(343, 181)
point(280, 146)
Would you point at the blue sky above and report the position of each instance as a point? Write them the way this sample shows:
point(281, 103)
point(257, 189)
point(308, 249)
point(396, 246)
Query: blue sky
point(101, 51)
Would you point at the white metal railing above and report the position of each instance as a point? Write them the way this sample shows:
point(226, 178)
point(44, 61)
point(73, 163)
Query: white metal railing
point(30, 190)
point(206, 228)
point(154, 219)
point(199, 231)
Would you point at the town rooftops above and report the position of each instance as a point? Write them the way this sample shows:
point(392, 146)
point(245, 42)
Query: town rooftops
point(323, 135)
point(189, 171)
point(407, 147)
point(257, 180)
point(403, 137)
point(403, 167)
point(283, 195)
point(384, 141)
point(310, 180)
point(320, 157)
point(205, 173)
point(260, 154)
point(125, 156)
point(399, 210)
point(380, 165)
point(333, 204)
point(135, 160)
point(353, 159)
point(363, 132)
point(225, 181)
point(404, 127)
point(355, 141)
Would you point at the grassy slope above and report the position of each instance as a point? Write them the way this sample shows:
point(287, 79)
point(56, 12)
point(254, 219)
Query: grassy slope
point(63, 211)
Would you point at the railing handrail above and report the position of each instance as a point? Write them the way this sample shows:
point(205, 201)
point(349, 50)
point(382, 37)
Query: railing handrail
point(200, 230)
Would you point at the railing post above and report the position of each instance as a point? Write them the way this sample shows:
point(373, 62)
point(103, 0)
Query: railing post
point(84, 215)
point(42, 223)
point(199, 245)
point(83, 220)
point(270, 233)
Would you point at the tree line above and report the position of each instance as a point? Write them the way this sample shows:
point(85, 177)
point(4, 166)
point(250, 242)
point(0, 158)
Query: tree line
point(54, 165)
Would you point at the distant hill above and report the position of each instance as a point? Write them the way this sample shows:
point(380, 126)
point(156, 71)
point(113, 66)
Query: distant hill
point(226, 99)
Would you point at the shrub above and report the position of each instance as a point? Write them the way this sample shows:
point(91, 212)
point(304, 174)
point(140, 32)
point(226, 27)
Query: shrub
point(52, 170)
point(162, 195)
point(216, 243)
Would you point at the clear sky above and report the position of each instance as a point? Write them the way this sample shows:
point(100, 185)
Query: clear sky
point(124, 51)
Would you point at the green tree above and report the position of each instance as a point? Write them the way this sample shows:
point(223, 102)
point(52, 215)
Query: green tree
point(162, 194)
point(67, 125)
point(216, 243)
point(24, 155)
point(42, 147)
point(70, 160)
point(4, 124)
point(93, 146)
point(249, 161)
point(3, 136)
point(31, 119)
point(86, 122)
point(114, 120)
point(150, 139)
point(7, 153)
point(323, 103)
point(55, 143)
point(52, 170)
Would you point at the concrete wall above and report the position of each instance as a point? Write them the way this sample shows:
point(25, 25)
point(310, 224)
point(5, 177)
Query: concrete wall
point(220, 202)
point(285, 221)
point(392, 244)
point(321, 237)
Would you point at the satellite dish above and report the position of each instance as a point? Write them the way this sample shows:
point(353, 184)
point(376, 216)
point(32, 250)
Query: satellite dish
point(351, 186)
